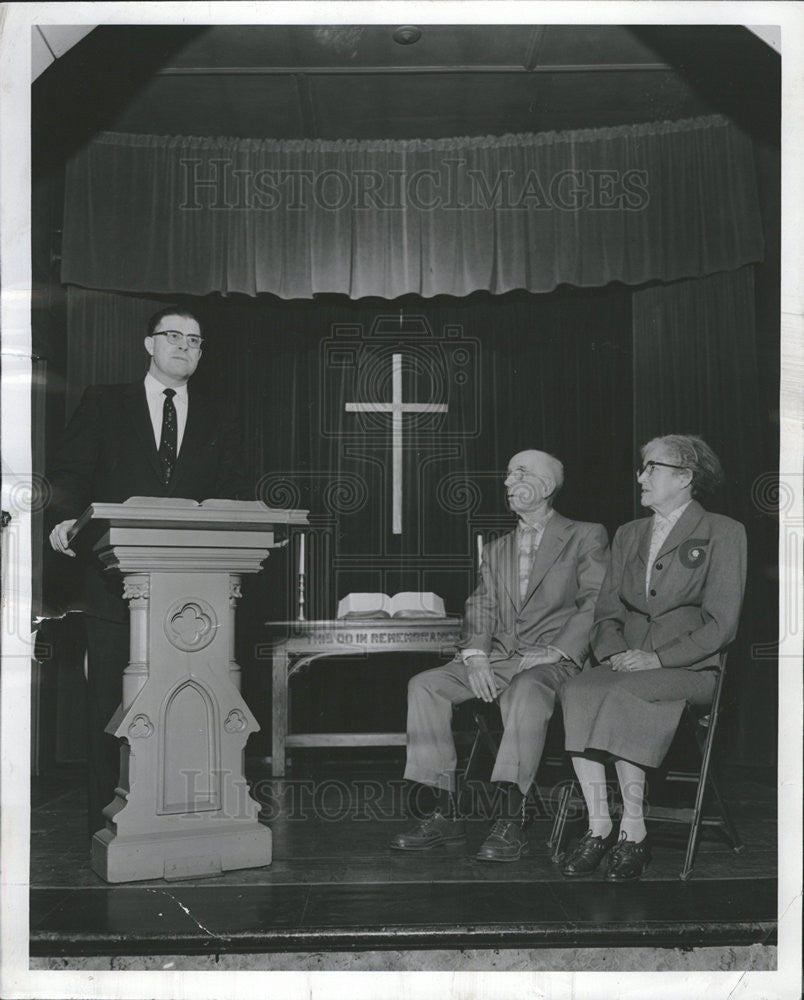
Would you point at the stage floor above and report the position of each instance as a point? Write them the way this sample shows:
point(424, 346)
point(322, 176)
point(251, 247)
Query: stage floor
point(334, 884)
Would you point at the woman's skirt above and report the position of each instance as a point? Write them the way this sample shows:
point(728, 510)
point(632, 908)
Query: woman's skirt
point(632, 715)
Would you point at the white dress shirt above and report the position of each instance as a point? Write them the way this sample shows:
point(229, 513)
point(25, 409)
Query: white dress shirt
point(155, 396)
point(660, 529)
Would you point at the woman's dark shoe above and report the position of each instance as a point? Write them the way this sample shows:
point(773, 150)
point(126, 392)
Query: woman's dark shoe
point(628, 860)
point(587, 855)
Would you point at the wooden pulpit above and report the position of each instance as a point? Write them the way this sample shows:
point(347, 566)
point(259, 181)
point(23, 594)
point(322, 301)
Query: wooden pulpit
point(182, 807)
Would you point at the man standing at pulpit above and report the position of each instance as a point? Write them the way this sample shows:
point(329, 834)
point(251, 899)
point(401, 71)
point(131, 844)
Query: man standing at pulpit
point(526, 632)
point(153, 437)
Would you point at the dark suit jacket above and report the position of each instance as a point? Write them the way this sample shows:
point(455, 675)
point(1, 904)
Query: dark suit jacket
point(108, 454)
point(696, 590)
point(559, 603)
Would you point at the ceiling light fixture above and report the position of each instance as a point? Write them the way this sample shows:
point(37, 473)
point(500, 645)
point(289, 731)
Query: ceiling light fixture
point(407, 34)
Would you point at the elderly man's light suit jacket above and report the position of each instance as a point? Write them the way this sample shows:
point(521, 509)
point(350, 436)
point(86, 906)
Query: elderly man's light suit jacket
point(691, 609)
point(558, 608)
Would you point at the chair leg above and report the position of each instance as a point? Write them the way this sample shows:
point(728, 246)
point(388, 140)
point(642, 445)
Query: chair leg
point(728, 826)
point(560, 821)
point(468, 772)
point(470, 762)
point(484, 731)
point(707, 778)
point(700, 793)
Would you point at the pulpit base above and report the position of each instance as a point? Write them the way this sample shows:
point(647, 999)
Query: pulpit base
point(171, 857)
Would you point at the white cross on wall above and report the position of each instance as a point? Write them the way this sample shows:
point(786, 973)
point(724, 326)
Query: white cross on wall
point(396, 408)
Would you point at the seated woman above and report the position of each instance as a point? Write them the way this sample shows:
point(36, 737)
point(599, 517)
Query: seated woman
point(668, 606)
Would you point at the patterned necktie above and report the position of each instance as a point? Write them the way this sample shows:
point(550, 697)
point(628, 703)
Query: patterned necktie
point(528, 542)
point(168, 443)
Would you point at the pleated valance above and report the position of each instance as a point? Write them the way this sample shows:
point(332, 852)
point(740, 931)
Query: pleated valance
point(161, 214)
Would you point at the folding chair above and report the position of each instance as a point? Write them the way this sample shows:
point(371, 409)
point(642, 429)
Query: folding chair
point(702, 724)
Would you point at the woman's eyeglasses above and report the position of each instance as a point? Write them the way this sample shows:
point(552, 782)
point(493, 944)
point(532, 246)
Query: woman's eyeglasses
point(648, 467)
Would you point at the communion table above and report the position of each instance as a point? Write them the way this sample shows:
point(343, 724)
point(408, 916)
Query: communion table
point(182, 807)
point(299, 643)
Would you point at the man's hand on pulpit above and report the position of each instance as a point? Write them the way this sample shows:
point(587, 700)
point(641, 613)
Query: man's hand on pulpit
point(58, 538)
point(481, 679)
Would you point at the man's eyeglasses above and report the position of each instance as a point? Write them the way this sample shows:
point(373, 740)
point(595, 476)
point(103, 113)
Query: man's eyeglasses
point(648, 467)
point(175, 337)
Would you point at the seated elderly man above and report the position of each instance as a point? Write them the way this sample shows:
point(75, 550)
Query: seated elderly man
point(526, 632)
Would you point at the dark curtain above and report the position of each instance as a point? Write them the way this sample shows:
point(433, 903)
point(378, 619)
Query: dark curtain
point(177, 214)
point(515, 371)
point(696, 371)
point(105, 334)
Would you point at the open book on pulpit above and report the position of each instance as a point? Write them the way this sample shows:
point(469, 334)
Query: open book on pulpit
point(249, 513)
point(406, 604)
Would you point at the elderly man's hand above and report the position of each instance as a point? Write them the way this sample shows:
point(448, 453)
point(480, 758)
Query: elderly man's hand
point(481, 679)
point(58, 538)
point(635, 659)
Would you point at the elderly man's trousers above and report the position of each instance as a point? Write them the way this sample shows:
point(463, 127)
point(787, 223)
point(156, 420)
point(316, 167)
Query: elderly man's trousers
point(527, 701)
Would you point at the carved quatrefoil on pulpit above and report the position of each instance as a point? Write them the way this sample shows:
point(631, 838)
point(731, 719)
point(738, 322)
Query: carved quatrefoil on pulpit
point(190, 624)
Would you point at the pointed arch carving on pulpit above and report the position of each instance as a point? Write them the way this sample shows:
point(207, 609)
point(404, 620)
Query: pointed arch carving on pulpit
point(189, 768)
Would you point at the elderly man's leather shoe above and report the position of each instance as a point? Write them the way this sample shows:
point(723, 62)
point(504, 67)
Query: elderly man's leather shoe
point(628, 860)
point(434, 830)
point(506, 842)
point(587, 855)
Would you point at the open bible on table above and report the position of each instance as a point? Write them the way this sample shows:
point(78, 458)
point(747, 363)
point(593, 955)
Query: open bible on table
point(406, 604)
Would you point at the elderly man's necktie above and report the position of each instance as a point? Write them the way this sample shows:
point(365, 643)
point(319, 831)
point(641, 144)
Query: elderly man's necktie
point(168, 443)
point(527, 543)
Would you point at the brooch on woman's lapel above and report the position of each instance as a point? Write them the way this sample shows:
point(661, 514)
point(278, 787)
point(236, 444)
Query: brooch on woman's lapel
point(693, 552)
